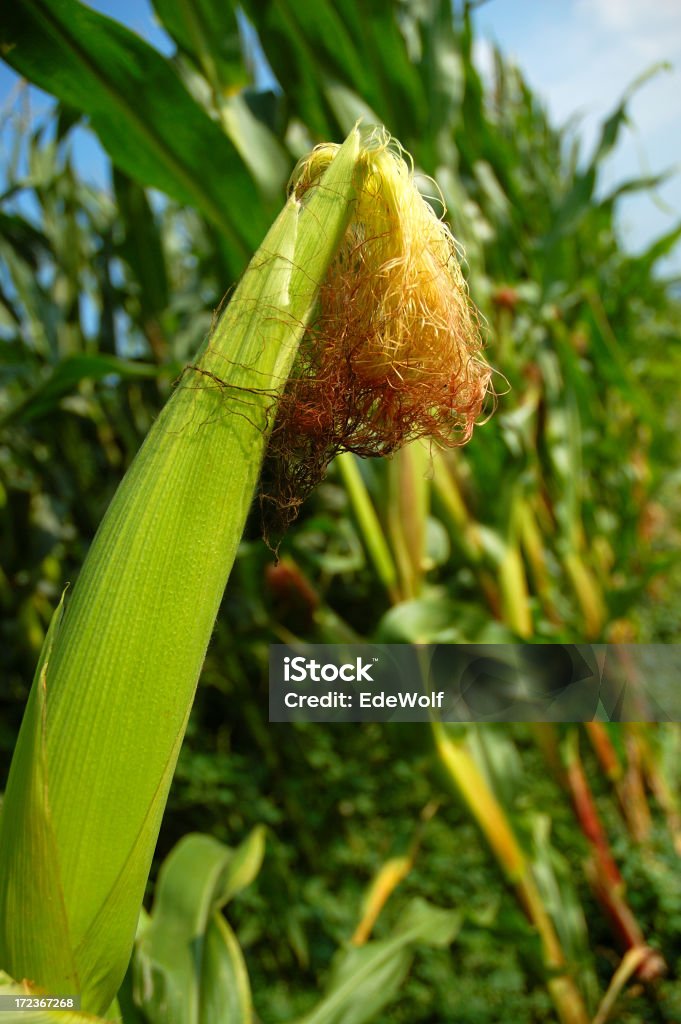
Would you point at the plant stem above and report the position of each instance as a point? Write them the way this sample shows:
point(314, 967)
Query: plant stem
point(497, 829)
point(368, 522)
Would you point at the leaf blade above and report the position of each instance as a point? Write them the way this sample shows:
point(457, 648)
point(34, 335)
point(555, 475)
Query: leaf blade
point(144, 116)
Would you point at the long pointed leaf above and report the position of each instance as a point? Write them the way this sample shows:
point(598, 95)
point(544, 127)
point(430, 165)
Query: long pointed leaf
point(364, 979)
point(189, 966)
point(146, 119)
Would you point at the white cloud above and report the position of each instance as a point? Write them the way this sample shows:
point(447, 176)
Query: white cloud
point(633, 16)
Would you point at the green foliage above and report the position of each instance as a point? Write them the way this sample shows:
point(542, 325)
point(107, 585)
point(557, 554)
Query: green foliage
point(364, 980)
point(145, 117)
point(558, 522)
point(187, 962)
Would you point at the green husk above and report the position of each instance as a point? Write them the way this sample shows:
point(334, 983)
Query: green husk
point(109, 705)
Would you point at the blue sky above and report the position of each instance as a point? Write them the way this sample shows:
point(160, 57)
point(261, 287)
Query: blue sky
point(579, 55)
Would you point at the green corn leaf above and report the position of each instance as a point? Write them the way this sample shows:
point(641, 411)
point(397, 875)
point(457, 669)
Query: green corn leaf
point(30, 298)
point(364, 979)
point(66, 377)
point(242, 867)
point(612, 125)
point(306, 45)
point(660, 247)
point(145, 118)
point(96, 753)
point(29, 855)
point(257, 145)
point(208, 33)
point(645, 183)
point(315, 48)
point(188, 964)
point(142, 247)
point(393, 86)
point(225, 989)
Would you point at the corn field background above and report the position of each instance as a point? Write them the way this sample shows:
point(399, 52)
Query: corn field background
point(558, 522)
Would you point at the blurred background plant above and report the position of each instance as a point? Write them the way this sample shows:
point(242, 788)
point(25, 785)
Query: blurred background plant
point(559, 522)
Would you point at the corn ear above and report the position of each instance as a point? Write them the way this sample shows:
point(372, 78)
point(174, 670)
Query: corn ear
point(109, 706)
